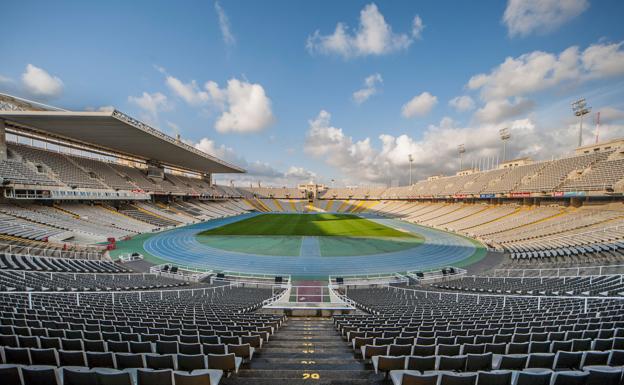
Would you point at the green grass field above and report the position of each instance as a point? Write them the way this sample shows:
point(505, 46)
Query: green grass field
point(338, 225)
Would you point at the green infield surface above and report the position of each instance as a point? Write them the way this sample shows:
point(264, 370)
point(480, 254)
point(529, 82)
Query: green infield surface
point(319, 225)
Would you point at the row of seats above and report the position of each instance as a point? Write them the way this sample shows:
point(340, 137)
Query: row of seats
point(229, 361)
point(27, 262)
point(592, 286)
point(579, 345)
point(590, 376)
point(50, 375)
point(474, 362)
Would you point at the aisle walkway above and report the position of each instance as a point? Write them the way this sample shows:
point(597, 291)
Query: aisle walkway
point(306, 351)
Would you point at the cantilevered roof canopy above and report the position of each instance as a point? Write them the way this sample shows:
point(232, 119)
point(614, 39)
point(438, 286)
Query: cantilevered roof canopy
point(118, 133)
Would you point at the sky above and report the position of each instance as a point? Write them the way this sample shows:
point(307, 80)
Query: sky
point(341, 93)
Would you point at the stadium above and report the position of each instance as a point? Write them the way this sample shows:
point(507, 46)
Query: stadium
point(132, 256)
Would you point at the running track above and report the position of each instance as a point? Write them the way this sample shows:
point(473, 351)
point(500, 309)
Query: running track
point(180, 246)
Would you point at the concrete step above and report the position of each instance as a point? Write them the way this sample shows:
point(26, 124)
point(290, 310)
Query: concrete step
point(279, 373)
point(304, 351)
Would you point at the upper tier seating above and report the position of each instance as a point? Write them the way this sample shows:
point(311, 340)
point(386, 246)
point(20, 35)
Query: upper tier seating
point(66, 170)
point(602, 176)
point(17, 171)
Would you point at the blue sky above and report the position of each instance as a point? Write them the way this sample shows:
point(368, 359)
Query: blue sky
point(270, 85)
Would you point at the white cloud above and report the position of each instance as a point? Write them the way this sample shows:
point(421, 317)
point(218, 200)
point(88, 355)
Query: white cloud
point(364, 162)
point(419, 105)
point(299, 173)
point(603, 60)
point(417, 27)
point(101, 109)
point(151, 104)
point(248, 107)
point(370, 88)
point(39, 83)
point(245, 107)
point(462, 103)
point(524, 17)
point(499, 110)
point(189, 92)
point(257, 170)
point(610, 114)
point(508, 84)
point(373, 37)
point(224, 25)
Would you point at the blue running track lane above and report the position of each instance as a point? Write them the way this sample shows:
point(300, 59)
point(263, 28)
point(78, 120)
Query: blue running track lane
point(180, 246)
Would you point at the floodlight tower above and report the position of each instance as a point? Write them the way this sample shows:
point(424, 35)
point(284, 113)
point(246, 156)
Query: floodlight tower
point(580, 109)
point(505, 135)
point(411, 159)
point(461, 149)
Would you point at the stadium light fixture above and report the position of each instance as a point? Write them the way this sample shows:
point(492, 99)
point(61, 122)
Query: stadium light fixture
point(505, 135)
point(461, 149)
point(580, 109)
point(411, 159)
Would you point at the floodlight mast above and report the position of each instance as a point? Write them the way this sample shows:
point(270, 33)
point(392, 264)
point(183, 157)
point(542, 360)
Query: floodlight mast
point(505, 135)
point(580, 109)
point(461, 149)
point(411, 159)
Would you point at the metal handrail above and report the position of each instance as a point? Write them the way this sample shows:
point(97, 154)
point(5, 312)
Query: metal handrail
point(558, 269)
point(539, 298)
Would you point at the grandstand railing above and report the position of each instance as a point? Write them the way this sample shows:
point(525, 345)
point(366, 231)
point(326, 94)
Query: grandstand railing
point(369, 279)
point(437, 275)
point(31, 251)
point(505, 297)
point(545, 272)
point(234, 276)
point(113, 276)
point(139, 294)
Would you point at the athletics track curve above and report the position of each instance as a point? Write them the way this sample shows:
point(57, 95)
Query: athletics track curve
point(180, 246)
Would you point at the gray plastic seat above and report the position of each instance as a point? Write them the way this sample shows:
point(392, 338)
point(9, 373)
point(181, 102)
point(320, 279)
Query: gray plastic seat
point(226, 362)
point(495, 377)
point(200, 377)
point(78, 376)
point(159, 361)
point(129, 360)
point(450, 378)
point(37, 375)
point(570, 378)
point(452, 363)
point(44, 357)
point(513, 362)
point(113, 377)
point(533, 377)
point(153, 376)
point(100, 360)
point(387, 363)
point(603, 375)
point(412, 377)
point(19, 356)
point(190, 362)
point(9, 374)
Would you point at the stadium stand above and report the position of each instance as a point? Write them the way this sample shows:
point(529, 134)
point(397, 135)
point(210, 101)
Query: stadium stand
point(71, 315)
point(415, 335)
